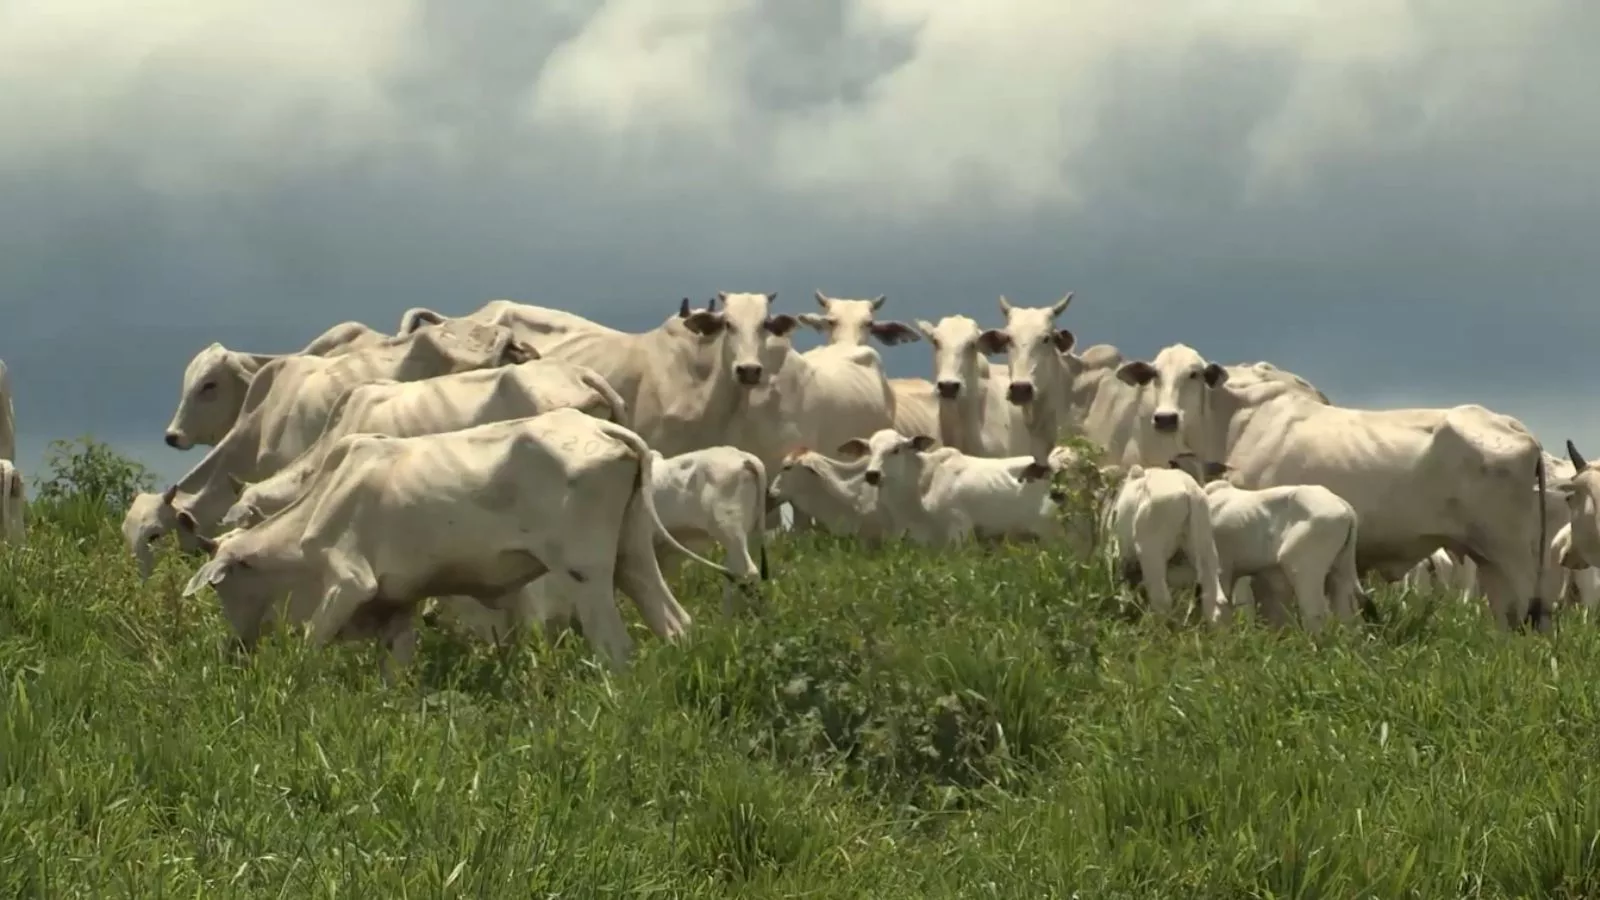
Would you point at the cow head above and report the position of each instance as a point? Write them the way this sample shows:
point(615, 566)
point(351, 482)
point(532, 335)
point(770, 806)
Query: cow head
point(1582, 493)
point(744, 323)
point(1179, 376)
point(891, 456)
point(958, 367)
point(214, 385)
point(1033, 345)
point(849, 322)
point(249, 585)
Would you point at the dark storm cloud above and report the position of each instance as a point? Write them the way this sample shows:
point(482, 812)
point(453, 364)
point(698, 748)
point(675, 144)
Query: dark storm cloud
point(1401, 205)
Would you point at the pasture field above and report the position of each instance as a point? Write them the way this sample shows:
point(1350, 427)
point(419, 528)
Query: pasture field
point(896, 724)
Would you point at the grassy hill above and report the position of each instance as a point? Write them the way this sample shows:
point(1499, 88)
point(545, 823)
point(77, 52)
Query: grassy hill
point(897, 724)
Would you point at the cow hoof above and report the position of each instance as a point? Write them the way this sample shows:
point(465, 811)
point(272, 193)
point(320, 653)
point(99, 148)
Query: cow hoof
point(1538, 616)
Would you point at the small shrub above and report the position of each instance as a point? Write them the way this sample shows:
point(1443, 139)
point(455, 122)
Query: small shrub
point(89, 483)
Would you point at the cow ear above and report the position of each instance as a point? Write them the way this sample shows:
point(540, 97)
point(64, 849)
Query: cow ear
point(814, 321)
point(892, 333)
point(704, 323)
point(1215, 375)
point(923, 443)
point(855, 448)
point(1216, 471)
point(781, 324)
point(1137, 373)
point(993, 341)
point(926, 327)
point(1065, 340)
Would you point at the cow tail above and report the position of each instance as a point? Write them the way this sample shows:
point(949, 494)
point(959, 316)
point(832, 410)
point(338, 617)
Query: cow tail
point(619, 407)
point(1538, 610)
point(759, 473)
point(644, 483)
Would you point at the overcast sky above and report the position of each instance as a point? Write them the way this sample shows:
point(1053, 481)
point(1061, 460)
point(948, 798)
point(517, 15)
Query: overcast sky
point(1398, 200)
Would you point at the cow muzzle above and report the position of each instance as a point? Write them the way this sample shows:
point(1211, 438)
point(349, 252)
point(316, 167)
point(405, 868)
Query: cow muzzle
point(948, 390)
point(175, 441)
point(1020, 392)
point(747, 373)
point(873, 477)
point(1165, 422)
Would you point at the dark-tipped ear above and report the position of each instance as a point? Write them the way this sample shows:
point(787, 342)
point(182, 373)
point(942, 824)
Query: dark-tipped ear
point(855, 448)
point(705, 324)
point(993, 341)
point(892, 333)
point(1065, 340)
point(1034, 471)
point(922, 443)
point(814, 321)
point(781, 324)
point(187, 523)
point(1575, 456)
point(1215, 375)
point(1137, 373)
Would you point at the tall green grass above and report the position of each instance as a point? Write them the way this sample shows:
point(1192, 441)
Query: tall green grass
point(898, 724)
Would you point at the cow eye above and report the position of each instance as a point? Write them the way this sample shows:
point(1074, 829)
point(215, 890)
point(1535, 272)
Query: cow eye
point(208, 388)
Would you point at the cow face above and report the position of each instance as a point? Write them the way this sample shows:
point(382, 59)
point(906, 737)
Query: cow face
point(214, 385)
point(891, 456)
point(745, 322)
point(850, 322)
point(1033, 345)
point(958, 367)
point(1178, 378)
point(1582, 494)
point(248, 587)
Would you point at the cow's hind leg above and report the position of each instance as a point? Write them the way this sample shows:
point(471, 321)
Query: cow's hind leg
point(638, 575)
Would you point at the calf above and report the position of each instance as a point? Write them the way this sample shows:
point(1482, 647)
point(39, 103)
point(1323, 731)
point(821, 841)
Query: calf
point(718, 494)
point(1304, 533)
point(1444, 571)
point(13, 497)
point(941, 496)
point(834, 492)
point(1156, 515)
point(480, 512)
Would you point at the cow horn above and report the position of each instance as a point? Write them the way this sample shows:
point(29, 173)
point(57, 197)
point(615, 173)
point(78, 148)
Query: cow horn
point(1575, 456)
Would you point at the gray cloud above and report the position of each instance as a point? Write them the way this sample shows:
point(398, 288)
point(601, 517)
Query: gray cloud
point(1398, 200)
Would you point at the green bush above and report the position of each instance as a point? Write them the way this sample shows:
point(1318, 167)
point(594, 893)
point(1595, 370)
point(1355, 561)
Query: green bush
point(88, 485)
point(901, 723)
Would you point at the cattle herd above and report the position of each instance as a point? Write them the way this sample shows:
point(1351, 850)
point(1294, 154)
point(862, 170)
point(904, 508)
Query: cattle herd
point(521, 464)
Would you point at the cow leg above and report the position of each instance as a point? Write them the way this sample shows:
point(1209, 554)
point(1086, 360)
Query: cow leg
point(1272, 589)
point(1153, 574)
point(352, 586)
point(1508, 589)
point(399, 639)
point(596, 606)
point(736, 557)
point(638, 575)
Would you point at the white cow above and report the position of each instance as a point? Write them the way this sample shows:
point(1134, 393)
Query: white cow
point(217, 379)
point(834, 492)
point(1303, 533)
point(1446, 572)
point(684, 382)
point(1038, 380)
point(916, 406)
point(13, 499)
point(482, 512)
point(973, 413)
point(1157, 518)
point(942, 496)
point(297, 393)
point(8, 416)
point(1464, 478)
point(1580, 582)
point(716, 495)
point(850, 322)
point(431, 406)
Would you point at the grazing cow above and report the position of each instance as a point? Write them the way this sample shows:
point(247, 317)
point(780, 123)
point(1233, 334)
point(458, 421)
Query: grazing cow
point(1039, 380)
point(217, 379)
point(1578, 550)
point(481, 512)
point(1304, 532)
point(431, 406)
point(8, 416)
point(1159, 517)
point(973, 413)
point(942, 496)
point(684, 382)
point(1580, 582)
point(297, 393)
point(834, 492)
point(850, 322)
point(13, 497)
point(1418, 478)
point(716, 495)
